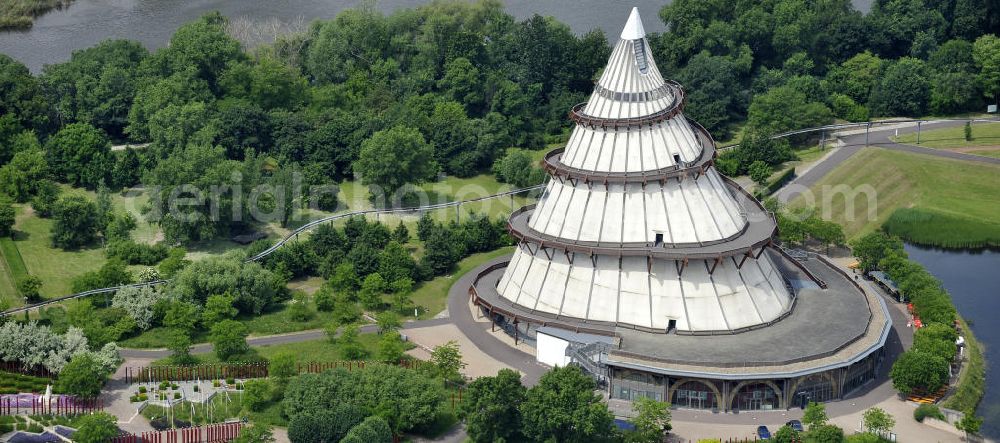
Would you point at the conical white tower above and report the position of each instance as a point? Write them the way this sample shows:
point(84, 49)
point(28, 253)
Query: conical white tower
point(636, 228)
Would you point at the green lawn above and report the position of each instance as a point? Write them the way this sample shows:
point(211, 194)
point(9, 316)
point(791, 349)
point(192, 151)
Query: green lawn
point(9, 259)
point(54, 266)
point(985, 139)
point(304, 351)
point(433, 295)
point(961, 190)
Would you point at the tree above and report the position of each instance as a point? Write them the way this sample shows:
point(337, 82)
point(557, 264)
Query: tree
point(447, 360)
point(491, 407)
point(83, 376)
point(563, 407)
point(394, 157)
point(98, 427)
point(256, 394)
point(80, 154)
point(19, 178)
point(29, 288)
point(387, 322)
point(324, 299)
point(7, 215)
point(373, 430)
point(282, 366)
point(651, 421)
point(968, 131)
point(75, 222)
point(391, 348)
point(814, 415)
point(181, 315)
point(46, 197)
point(251, 286)
point(350, 346)
point(229, 339)
point(179, 344)
point(872, 248)
point(322, 426)
point(786, 434)
point(825, 433)
point(986, 53)
point(903, 90)
point(919, 370)
point(760, 172)
point(785, 108)
point(877, 421)
point(441, 251)
point(401, 234)
point(218, 307)
point(371, 290)
point(518, 168)
point(139, 303)
point(969, 423)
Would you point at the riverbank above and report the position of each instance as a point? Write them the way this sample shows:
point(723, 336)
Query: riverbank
point(20, 14)
point(923, 227)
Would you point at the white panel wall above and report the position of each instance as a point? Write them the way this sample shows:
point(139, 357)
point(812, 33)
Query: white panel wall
point(551, 350)
point(633, 303)
point(704, 312)
point(578, 287)
point(604, 297)
point(635, 215)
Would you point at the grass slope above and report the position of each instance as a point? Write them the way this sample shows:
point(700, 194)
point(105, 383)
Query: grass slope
point(985, 139)
point(9, 296)
point(966, 192)
point(432, 296)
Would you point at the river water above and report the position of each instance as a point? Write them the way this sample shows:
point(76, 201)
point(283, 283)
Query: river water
point(973, 281)
point(84, 23)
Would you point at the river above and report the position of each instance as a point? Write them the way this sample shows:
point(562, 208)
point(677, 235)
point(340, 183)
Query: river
point(55, 35)
point(971, 278)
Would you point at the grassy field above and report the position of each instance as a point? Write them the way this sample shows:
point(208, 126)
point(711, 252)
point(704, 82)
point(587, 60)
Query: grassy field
point(304, 351)
point(985, 139)
point(965, 191)
point(55, 267)
point(433, 295)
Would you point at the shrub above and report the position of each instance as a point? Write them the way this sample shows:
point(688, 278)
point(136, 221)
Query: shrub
point(142, 389)
point(195, 388)
point(927, 410)
point(36, 428)
point(177, 395)
point(216, 384)
point(230, 381)
point(164, 385)
point(173, 386)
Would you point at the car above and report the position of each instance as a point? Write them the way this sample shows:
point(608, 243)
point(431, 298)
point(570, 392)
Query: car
point(795, 425)
point(763, 433)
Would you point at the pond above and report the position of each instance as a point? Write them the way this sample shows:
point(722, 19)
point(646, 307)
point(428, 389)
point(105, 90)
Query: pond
point(973, 279)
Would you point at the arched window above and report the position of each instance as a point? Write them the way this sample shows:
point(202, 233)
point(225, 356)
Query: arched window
point(755, 397)
point(694, 395)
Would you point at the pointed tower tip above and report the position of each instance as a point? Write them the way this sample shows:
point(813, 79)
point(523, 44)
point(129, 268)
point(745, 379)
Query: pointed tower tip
point(633, 27)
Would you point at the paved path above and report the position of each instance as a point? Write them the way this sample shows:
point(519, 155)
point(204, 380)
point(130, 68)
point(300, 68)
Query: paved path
point(854, 141)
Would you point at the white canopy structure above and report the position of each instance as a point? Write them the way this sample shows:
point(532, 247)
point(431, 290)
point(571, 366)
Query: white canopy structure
point(636, 228)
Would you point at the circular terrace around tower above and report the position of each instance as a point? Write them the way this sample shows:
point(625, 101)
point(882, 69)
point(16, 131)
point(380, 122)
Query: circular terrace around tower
point(834, 323)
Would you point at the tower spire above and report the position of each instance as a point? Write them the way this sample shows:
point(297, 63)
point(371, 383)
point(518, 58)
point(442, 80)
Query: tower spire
point(633, 27)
